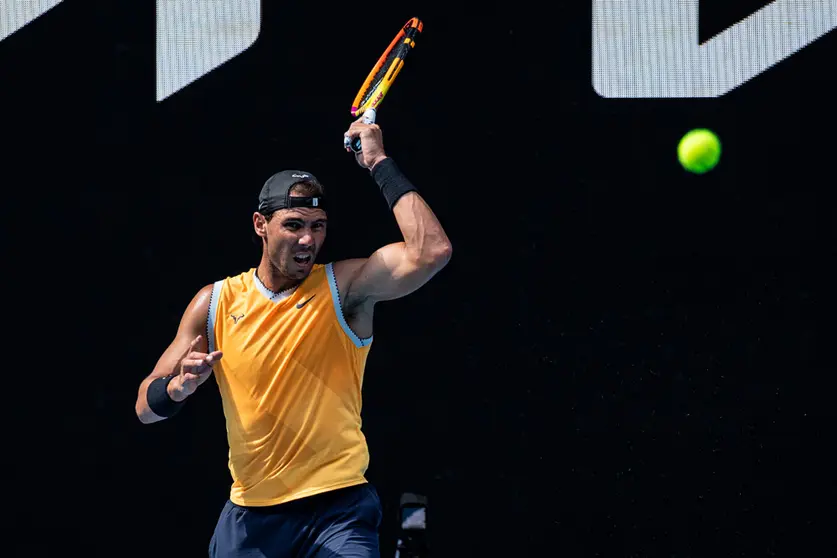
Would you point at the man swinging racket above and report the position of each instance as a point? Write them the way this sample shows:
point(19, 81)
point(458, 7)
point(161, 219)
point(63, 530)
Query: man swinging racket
point(288, 342)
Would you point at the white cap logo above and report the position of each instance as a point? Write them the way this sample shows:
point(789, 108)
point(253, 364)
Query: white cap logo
point(299, 175)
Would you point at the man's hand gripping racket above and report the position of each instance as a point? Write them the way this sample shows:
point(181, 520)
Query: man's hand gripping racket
point(375, 88)
point(368, 135)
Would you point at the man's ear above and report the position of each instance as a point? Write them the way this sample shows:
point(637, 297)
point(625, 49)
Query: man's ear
point(260, 224)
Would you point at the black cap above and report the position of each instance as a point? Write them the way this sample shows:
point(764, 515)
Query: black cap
point(276, 192)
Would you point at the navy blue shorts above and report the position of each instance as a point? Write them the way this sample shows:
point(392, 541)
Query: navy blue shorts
point(341, 522)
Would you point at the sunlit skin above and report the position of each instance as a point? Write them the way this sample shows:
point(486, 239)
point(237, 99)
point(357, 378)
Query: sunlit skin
point(291, 232)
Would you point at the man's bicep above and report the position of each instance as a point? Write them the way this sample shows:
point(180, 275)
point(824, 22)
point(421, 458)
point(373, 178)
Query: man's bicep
point(389, 273)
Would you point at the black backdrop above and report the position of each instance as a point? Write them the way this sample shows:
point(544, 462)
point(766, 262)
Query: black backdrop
point(621, 359)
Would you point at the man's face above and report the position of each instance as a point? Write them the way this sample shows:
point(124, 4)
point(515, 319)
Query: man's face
point(294, 238)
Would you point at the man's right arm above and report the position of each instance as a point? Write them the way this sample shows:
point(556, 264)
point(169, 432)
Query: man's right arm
point(188, 345)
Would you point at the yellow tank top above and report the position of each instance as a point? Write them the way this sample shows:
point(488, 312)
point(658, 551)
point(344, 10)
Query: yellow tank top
point(290, 383)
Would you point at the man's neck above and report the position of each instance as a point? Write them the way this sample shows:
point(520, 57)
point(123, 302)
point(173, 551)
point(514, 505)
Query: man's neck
point(272, 279)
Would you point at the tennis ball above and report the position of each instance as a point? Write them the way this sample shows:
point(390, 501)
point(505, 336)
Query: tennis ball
point(699, 151)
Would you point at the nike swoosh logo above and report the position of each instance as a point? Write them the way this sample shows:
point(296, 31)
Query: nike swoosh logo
point(301, 304)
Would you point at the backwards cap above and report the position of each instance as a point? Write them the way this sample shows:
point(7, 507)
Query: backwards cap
point(276, 192)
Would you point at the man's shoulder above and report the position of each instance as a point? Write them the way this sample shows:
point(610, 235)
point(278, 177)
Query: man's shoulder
point(348, 268)
point(242, 279)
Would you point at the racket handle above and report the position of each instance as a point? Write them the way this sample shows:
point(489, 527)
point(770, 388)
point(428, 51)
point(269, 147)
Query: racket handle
point(368, 118)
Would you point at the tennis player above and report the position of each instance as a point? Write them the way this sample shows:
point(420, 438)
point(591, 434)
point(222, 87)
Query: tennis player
point(288, 342)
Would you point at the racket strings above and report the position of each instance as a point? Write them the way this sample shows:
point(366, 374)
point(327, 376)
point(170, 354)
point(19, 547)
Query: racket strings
point(379, 75)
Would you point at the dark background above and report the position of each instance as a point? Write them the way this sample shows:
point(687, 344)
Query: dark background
point(621, 359)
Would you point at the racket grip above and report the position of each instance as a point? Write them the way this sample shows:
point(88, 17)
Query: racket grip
point(368, 118)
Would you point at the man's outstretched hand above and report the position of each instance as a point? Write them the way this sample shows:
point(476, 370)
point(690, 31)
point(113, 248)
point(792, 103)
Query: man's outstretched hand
point(195, 368)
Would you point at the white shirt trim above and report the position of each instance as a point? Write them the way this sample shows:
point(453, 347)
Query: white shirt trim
point(338, 309)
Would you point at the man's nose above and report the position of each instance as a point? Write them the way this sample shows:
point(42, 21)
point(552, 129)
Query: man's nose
point(306, 239)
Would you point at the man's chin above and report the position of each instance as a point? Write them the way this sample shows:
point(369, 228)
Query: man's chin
point(301, 269)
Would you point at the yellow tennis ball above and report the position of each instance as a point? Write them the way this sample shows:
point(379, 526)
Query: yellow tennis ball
point(699, 151)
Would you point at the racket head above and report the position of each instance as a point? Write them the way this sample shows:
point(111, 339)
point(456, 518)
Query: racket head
point(386, 69)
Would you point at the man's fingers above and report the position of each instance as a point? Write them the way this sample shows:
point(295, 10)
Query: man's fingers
point(358, 128)
point(192, 345)
point(200, 363)
point(214, 356)
point(362, 131)
point(192, 362)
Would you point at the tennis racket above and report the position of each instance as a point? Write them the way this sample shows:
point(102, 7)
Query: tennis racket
point(383, 74)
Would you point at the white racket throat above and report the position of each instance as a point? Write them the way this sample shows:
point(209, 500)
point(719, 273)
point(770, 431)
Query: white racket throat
point(369, 116)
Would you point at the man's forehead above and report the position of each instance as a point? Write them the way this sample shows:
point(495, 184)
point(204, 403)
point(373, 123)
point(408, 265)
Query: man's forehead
point(303, 213)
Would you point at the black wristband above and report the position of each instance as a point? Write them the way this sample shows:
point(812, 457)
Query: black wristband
point(391, 181)
point(159, 400)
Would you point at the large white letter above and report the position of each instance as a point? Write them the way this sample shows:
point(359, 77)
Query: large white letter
point(14, 14)
point(649, 48)
point(196, 36)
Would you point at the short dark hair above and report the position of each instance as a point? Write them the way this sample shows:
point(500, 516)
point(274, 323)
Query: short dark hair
point(307, 188)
